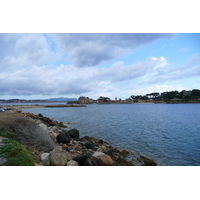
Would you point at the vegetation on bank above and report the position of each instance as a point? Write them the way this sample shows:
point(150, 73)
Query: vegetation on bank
point(26, 131)
point(183, 96)
point(14, 152)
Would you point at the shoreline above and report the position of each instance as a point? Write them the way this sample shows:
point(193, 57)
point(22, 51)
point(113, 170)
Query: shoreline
point(19, 107)
point(79, 151)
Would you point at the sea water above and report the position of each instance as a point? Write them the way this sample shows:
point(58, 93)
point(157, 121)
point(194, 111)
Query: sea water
point(168, 133)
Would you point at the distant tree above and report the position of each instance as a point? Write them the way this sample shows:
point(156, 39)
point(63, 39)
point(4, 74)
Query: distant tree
point(155, 94)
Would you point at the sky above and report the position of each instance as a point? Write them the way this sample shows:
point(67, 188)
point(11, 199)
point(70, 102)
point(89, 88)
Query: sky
point(47, 65)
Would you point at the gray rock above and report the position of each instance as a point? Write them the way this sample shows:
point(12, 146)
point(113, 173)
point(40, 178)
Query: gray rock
point(45, 158)
point(72, 163)
point(58, 157)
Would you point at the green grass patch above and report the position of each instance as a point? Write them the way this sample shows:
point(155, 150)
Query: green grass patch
point(15, 154)
point(6, 134)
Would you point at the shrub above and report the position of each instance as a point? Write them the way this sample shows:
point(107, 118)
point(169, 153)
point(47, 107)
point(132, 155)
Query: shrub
point(15, 154)
point(27, 132)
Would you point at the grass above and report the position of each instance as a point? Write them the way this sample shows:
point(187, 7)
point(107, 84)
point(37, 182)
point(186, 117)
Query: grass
point(15, 154)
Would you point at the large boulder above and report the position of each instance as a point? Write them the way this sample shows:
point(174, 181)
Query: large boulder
point(63, 138)
point(58, 157)
point(102, 159)
point(74, 133)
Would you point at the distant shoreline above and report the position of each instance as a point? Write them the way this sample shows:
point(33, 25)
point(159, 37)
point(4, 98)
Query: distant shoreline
point(19, 107)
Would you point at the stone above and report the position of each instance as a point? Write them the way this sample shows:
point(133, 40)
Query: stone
point(107, 151)
point(94, 163)
point(63, 138)
point(77, 147)
point(147, 161)
point(74, 133)
point(87, 163)
point(90, 151)
point(102, 159)
point(72, 163)
point(64, 146)
point(89, 145)
point(95, 141)
point(43, 126)
point(80, 159)
point(102, 149)
point(124, 152)
point(58, 157)
point(45, 158)
point(122, 162)
point(61, 124)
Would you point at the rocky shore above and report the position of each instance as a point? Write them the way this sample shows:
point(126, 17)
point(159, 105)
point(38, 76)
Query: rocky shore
point(73, 150)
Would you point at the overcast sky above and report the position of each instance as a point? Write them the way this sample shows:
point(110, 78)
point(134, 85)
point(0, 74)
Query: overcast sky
point(38, 66)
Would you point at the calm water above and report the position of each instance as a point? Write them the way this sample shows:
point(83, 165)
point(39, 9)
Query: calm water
point(168, 133)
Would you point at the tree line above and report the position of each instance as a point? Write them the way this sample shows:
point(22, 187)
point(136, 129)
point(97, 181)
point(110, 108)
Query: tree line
point(171, 95)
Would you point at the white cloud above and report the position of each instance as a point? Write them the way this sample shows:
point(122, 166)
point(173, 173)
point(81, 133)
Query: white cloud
point(190, 69)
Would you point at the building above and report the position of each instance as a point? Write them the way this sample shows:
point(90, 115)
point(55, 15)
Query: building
point(85, 100)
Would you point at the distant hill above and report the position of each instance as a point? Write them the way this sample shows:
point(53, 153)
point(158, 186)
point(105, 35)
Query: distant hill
point(62, 99)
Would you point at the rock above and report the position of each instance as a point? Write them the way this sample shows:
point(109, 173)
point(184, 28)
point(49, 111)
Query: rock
point(102, 149)
point(102, 159)
point(77, 147)
point(90, 151)
point(45, 158)
point(89, 145)
point(124, 152)
point(74, 133)
point(63, 138)
point(147, 161)
point(61, 124)
point(64, 146)
point(58, 157)
point(53, 129)
point(80, 159)
point(94, 163)
point(122, 162)
point(87, 163)
point(72, 163)
point(95, 141)
point(43, 126)
point(107, 151)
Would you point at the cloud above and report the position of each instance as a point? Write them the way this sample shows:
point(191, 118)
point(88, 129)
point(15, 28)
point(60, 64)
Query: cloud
point(183, 50)
point(68, 79)
point(91, 49)
point(190, 69)
point(21, 51)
